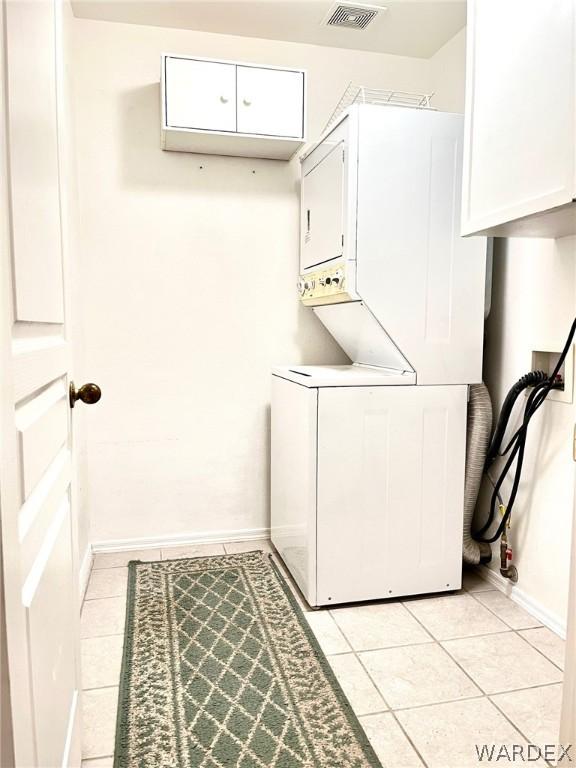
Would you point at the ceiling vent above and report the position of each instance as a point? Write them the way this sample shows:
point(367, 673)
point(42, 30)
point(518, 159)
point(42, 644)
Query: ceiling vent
point(352, 15)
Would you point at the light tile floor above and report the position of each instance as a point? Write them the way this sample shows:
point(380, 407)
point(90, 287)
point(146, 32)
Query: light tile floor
point(428, 677)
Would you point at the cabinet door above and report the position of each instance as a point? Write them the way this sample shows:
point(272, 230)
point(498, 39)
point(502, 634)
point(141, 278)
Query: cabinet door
point(200, 94)
point(519, 133)
point(270, 102)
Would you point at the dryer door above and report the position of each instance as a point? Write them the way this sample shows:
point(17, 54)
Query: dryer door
point(322, 213)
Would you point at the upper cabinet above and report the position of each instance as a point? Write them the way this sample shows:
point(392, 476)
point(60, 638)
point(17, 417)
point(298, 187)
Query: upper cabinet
point(520, 126)
point(229, 108)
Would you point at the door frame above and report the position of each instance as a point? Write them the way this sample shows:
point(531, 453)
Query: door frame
point(568, 716)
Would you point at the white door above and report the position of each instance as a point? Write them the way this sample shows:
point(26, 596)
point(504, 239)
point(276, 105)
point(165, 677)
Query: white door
point(38, 532)
point(200, 94)
point(270, 102)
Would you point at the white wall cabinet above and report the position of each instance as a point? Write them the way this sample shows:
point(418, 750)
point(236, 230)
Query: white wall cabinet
point(520, 127)
point(229, 108)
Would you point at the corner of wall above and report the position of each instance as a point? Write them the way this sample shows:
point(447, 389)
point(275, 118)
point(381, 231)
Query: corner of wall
point(448, 74)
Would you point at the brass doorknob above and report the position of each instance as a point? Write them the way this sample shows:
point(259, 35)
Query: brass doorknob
point(88, 393)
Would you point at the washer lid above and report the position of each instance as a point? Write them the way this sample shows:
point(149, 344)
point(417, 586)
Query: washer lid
point(361, 336)
point(344, 376)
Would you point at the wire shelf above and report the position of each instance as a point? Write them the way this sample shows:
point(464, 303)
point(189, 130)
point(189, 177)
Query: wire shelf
point(359, 94)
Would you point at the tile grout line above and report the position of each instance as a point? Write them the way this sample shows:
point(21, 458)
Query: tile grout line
point(534, 626)
point(409, 740)
point(376, 688)
point(505, 716)
point(402, 729)
point(450, 656)
point(558, 667)
point(423, 642)
point(380, 648)
point(97, 637)
point(561, 669)
point(480, 695)
point(406, 735)
point(107, 597)
point(487, 696)
point(517, 630)
point(101, 688)
point(161, 558)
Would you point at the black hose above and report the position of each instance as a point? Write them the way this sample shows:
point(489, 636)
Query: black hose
point(533, 378)
point(517, 450)
point(528, 380)
point(517, 443)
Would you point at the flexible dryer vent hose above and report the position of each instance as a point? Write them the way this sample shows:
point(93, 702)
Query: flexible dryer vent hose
point(477, 439)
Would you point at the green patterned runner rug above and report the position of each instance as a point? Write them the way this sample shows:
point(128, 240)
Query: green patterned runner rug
point(221, 670)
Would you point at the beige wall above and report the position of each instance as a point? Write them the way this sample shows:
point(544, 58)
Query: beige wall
point(189, 266)
point(448, 74)
point(533, 300)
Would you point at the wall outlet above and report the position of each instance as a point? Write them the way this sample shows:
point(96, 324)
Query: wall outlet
point(546, 360)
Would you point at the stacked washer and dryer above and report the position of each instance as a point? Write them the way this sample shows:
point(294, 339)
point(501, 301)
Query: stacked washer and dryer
point(368, 459)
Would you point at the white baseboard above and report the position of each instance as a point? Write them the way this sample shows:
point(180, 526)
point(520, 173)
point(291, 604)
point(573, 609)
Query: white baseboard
point(182, 539)
point(84, 574)
point(524, 600)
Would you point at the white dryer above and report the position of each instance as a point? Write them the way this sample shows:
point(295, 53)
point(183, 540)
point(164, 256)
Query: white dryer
point(368, 460)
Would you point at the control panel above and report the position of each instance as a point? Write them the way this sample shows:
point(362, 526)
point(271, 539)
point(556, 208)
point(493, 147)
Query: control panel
point(324, 286)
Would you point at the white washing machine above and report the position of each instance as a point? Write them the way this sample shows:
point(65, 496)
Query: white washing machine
point(368, 459)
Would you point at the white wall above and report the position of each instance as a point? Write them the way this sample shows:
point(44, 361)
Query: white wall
point(533, 304)
point(189, 266)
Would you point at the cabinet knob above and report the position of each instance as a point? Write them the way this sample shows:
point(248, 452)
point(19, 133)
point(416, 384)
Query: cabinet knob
point(224, 100)
point(246, 102)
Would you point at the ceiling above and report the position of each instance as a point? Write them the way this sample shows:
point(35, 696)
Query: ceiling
point(407, 28)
